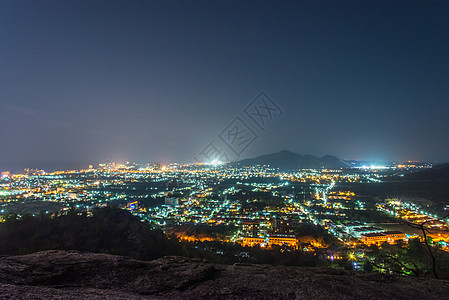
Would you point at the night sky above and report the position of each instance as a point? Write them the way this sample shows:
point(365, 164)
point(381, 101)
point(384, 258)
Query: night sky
point(86, 81)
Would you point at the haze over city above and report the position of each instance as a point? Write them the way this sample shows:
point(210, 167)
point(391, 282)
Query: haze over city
point(82, 82)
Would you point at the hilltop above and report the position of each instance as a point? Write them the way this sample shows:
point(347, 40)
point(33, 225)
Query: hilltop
point(287, 160)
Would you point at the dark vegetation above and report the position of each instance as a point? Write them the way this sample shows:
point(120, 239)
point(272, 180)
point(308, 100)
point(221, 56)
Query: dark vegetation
point(109, 230)
point(115, 231)
point(429, 184)
point(438, 172)
point(408, 259)
point(216, 231)
point(317, 232)
point(434, 191)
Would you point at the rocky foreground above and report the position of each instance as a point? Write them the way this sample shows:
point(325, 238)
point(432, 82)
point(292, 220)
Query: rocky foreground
point(75, 275)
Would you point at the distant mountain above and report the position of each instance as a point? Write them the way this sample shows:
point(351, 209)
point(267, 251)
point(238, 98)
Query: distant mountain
point(287, 160)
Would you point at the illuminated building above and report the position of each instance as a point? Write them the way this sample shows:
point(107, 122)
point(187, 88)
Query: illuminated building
point(381, 237)
point(394, 236)
point(373, 238)
point(250, 227)
point(283, 239)
point(253, 241)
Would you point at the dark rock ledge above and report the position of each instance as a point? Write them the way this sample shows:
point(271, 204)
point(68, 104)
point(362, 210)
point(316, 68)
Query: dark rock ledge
point(76, 275)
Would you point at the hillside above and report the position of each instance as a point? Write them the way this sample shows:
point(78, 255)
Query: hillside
point(287, 160)
point(77, 275)
point(436, 173)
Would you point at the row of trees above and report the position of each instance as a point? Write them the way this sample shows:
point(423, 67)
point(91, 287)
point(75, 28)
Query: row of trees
point(115, 231)
point(109, 230)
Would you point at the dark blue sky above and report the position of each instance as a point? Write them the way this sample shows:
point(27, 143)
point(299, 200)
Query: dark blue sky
point(86, 81)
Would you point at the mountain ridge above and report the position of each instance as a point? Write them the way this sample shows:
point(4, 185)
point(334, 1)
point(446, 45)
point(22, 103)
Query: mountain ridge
point(288, 160)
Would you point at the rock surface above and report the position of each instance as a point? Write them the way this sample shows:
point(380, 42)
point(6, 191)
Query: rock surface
point(75, 275)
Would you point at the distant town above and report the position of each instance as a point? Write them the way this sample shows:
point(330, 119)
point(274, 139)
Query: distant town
point(316, 211)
